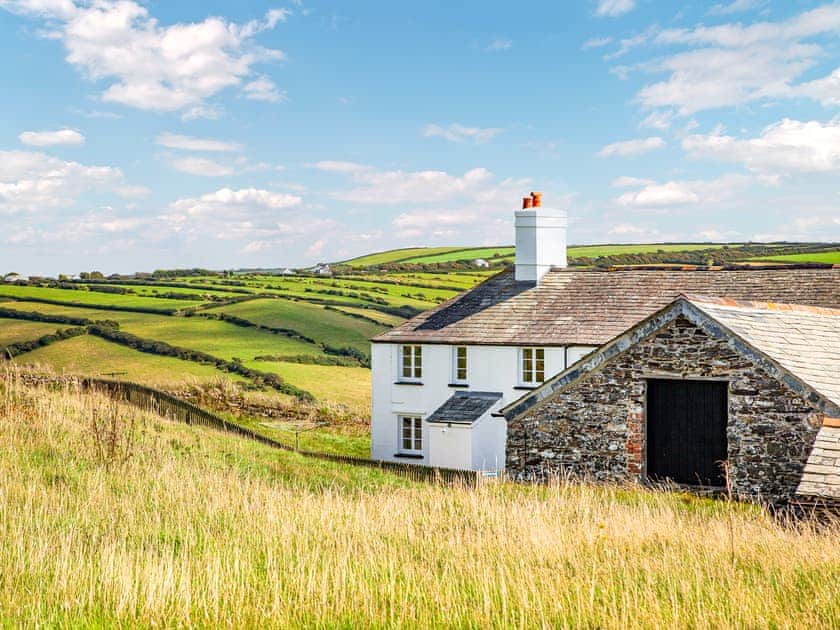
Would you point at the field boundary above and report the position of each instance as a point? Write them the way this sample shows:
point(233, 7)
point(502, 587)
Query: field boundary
point(174, 408)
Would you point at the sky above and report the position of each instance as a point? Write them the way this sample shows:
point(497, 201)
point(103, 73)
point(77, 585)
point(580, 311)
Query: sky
point(139, 135)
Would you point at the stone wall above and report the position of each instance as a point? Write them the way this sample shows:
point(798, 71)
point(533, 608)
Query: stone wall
point(595, 427)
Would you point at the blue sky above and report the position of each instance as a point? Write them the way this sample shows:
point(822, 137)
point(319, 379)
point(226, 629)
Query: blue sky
point(140, 135)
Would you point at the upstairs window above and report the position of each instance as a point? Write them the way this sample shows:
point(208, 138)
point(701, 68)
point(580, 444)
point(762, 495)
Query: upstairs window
point(411, 435)
point(411, 363)
point(533, 366)
point(459, 365)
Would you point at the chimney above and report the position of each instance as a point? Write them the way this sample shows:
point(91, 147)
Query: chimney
point(540, 239)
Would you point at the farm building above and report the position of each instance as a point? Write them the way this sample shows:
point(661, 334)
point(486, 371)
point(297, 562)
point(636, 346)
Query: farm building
point(508, 340)
point(701, 382)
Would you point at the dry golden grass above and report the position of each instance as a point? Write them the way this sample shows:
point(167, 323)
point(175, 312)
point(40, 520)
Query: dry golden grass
point(188, 527)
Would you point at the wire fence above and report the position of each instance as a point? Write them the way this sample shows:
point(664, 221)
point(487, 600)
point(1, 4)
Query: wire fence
point(173, 408)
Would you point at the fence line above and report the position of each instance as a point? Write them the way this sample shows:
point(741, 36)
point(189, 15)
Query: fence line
point(169, 406)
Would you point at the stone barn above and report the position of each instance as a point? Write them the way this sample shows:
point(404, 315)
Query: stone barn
point(701, 383)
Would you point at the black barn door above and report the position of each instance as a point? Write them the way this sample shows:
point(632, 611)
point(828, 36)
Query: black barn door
point(686, 431)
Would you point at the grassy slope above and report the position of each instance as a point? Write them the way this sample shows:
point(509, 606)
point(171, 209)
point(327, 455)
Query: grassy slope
point(488, 253)
point(832, 258)
point(93, 298)
point(14, 330)
point(201, 529)
point(91, 356)
point(325, 326)
point(385, 319)
point(395, 255)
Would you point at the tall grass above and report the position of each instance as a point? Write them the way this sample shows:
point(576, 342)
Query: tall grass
point(191, 527)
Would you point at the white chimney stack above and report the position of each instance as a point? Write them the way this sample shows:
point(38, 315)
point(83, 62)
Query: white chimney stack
point(540, 239)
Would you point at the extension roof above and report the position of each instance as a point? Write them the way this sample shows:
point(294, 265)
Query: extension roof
point(590, 307)
point(464, 407)
point(795, 343)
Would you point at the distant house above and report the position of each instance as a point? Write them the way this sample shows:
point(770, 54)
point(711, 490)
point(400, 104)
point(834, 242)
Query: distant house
point(322, 270)
point(14, 277)
point(546, 369)
point(287, 272)
point(480, 262)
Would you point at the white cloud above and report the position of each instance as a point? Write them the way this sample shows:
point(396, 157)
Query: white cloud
point(596, 42)
point(188, 143)
point(460, 133)
point(658, 120)
point(498, 45)
point(201, 167)
point(264, 89)
point(338, 166)
point(736, 6)
point(613, 8)
point(732, 64)
point(630, 182)
point(655, 196)
point(146, 65)
point(35, 181)
point(392, 187)
point(133, 192)
point(316, 248)
point(632, 147)
point(51, 138)
point(781, 148)
point(228, 202)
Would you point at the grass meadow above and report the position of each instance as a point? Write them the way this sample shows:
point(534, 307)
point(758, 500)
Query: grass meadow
point(831, 258)
point(15, 330)
point(114, 518)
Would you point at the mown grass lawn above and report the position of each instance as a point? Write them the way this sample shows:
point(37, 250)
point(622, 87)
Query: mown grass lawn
point(180, 526)
point(831, 258)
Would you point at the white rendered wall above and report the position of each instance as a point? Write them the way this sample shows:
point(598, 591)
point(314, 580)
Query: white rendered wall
point(490, 369)
point(450, 446)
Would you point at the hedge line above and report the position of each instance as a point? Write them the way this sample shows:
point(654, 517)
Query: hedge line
point(34, 316)
point(150, 346)
point(113, 307)
point(309, 359)
point(21, 347)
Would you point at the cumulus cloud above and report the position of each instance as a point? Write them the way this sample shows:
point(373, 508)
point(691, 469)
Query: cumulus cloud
point(228, 202)
point(614, 8)
point(51, 138)
point(673, 194)
point(189, 143)
point(149, 66)
point(732, 64)
point(35, 181)
point(460, 133)
point(630, 182)
point(632, 147)
point(596, 42)
point(781, 148)
point(264, 89)
point(736, 6)
point(338, 166)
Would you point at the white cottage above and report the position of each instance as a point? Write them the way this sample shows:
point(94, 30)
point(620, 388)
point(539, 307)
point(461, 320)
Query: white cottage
point(435, 396)
point(441, 379)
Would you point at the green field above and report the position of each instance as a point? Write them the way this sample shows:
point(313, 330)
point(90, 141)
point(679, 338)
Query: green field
point(491, 254)
point(92, 356)
point(93, 298)
point(396, 255)
point(831, 258)
point(385, 319)
point(324, 326)
point(15, 330)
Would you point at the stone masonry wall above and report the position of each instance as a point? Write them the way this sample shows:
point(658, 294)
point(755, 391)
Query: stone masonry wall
point(595, 428)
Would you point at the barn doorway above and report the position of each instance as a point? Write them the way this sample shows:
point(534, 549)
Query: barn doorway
point(686, 431)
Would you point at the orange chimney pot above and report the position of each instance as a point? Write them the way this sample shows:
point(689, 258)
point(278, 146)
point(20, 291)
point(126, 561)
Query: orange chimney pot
point(527, 202)
point(537, 199)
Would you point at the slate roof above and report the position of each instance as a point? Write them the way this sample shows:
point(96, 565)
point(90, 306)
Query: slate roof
point(464, 407)
point(590, 307)
point(803, 340)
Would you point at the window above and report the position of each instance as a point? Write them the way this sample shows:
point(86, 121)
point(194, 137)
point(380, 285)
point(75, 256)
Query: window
point(533, 366)
point(459, 364)
point(412, 363)
point(411, 435)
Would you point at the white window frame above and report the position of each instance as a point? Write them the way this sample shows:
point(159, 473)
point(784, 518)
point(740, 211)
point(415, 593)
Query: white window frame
point(414, 434)
point(533, 376)
point(414, 365)
point(456, 367)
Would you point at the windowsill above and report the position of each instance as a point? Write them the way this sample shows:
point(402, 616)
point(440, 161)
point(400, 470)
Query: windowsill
point(526, 387)
point(408, 455)
point(459, 384)
point(408, 382)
